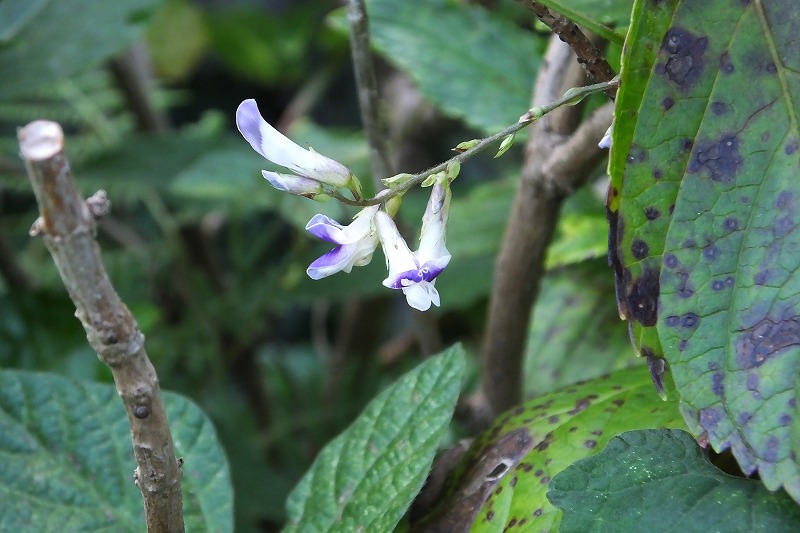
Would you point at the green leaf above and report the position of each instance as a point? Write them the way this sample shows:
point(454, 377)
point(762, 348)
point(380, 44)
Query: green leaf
point(366, 478)
point(582, 230)
point(268, 47)
point(704, 168)
point(660, 480)
point(472, 65)
point(129, 171)
point(57, 39)
point(575, 332)
point(598, 16)
point(15, 15)
point(177, 39)
point(505, 474)
point(68, 460)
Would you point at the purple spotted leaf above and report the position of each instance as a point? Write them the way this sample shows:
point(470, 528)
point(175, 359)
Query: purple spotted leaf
point(704, 208)
point(504, 476)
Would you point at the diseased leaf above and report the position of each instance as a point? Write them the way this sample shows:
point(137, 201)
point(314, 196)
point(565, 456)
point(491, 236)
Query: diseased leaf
point(67, 459)
point(504, 477)
point(704, 204)
point(659, 480)
point(365, 479)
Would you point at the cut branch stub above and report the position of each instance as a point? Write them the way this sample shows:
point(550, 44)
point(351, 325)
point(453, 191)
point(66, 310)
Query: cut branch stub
point(67, 223)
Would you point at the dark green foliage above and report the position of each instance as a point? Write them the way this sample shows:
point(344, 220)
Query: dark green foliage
point(67, 459)
point(659, 480)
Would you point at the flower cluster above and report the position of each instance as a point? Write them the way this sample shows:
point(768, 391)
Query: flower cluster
point(316, 175)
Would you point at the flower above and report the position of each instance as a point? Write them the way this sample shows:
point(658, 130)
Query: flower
point(355, 243)
point(312, 170)
point(415, 273)
point(605, 142)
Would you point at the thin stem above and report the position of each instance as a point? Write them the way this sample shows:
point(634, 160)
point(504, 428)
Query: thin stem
point(367, 84)
point(571, 97)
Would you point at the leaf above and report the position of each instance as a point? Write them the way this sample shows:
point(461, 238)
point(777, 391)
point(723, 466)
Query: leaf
point(705, 182)
point(68, 460)
point(659, 480)
point(15, 15)
point(471, 64)
point(575, 332)
point(506, 472)
point(130, 170)
point(177, 39)
point(597, 16)
point(266, 47)
point(582, 230)
point(366, 478)
point(62, 38)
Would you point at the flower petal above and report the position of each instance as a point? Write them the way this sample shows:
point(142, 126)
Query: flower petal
point(420, 296)
point(342, 259)
point(329, 230)
point(399, 258)
point(293, 184)
point(434, 226)
point(279, 149)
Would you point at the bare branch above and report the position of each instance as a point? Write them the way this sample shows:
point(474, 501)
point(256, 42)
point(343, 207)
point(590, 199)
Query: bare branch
point(588, 54)
point(68, 227)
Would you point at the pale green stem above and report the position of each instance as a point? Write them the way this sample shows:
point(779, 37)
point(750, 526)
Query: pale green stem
point(571, 97)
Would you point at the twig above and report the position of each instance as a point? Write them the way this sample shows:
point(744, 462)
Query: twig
point(68, 226)
point(588, 54)
point(555, 165)
point(367, 85)
point(570, 97)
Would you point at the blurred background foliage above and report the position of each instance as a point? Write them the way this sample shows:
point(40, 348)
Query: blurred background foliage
point(211, 260)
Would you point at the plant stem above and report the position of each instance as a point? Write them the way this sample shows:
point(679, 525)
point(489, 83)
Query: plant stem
point(571, 97)
point(67, 223)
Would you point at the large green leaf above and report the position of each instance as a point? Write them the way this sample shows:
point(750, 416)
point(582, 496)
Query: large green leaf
point(659, 480)
point(365, 479)
point(472, 65)
point(52, 40)
point(506, 472)
point(704, 202)
point(67, 459)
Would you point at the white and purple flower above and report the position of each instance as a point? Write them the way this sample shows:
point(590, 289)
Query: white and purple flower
point(415, 273)
point(355, 243)
point(311, 170)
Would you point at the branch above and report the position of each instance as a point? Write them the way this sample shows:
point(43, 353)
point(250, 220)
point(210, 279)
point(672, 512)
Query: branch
point(588, 54)
point(555, 165)
point(68, 226)
point(367, 85)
